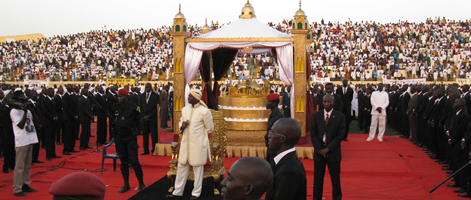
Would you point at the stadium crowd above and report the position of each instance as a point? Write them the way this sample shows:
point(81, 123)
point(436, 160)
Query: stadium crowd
point(437, 49)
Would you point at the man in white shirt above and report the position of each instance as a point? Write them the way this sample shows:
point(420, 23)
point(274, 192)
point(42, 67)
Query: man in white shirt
point(379, 102)
point(25, 136)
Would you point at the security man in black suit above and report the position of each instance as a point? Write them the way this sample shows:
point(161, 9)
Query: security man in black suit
point(8, 143)
point(86, 118)
point(112, 99)
point(49, 122)
point(75, 98)
point(60, 115)
point(70, 116)
point(327, 129)
point(401, 111)
point(361, 106)
point(456, 132)
point(101, 113)
point(346, 94)
point(438, 133)
point(2, 106)
point(148, 104)
point(289, 176)
point(39, 131)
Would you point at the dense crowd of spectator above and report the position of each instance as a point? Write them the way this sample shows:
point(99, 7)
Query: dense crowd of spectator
point(437, 49)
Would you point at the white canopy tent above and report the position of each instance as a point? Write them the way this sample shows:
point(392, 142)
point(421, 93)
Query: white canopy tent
point(260, 37)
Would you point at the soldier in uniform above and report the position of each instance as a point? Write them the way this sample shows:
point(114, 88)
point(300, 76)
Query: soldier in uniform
point(127, 117)
point(272, 104)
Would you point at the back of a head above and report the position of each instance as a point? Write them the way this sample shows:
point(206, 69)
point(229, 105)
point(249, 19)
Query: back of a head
point(248, 178)
point(291, 129)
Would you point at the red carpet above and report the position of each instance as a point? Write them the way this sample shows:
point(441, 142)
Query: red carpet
point(393, 169)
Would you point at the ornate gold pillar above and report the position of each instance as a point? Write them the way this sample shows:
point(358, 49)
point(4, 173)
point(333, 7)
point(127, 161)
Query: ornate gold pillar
point(179, 77)
point(300, 81)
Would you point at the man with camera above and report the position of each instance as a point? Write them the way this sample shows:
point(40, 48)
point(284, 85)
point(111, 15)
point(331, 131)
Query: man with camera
point(22, 116)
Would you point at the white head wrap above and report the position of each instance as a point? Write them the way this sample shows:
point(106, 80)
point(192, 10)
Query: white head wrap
point(197, 94)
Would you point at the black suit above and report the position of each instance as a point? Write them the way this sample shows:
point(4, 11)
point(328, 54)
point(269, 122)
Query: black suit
point(2, 106)
point(467, 98)
point(458, 127)
point(438, 133)
point(85, 118)
point(289, 179)
point(70, 112)
point(361, 108)
point(286, 105)
point(60, 115)
point(163, 108)
point(101, 111)
point(347, 98)
point(316, 100)
point(39, 114)
point(39, 131)
point(8, 143)
point(48, 111)
point(333, 130)
point(112, 99)
point(149, 107)
point(402, 106)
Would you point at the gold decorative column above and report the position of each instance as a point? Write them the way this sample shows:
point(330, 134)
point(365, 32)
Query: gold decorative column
point(178, 34)
point(300, 29)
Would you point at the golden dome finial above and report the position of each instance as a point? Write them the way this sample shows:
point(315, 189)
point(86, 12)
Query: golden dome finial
point(206, 28)
point(299, 4)
point(179, 15)
point(206, 21)
point(247, 11)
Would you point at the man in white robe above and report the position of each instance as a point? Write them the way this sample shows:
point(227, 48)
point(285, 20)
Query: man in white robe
point(196, 123)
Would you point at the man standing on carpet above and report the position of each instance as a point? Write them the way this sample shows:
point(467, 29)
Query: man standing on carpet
point(327, 129)
point(248, 179)
point(25, 136)
point(289, 174)
point(379, 101)
point(346, 94)
point(456, 132)
point(164, 107)
point(49, 123)
point(272, 104)
point(101, 116)
point(149, 103)
point(86, 118)
point(195, 124)
point(127, 118)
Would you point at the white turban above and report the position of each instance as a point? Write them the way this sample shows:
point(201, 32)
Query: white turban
point(197, 94)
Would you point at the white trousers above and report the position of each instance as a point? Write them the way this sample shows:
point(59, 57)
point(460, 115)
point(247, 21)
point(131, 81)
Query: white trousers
point(182, 176)
point(375, 119)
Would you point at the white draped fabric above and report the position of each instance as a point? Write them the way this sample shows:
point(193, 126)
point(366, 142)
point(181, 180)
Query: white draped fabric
point(192, 63)
point(206, 46)
point(285, 61)
point(245, 28)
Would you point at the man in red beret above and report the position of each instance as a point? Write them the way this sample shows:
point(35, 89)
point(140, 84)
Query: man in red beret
point(128, 117)
point(273, 100)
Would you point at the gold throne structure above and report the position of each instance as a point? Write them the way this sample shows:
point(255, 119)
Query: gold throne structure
point(217, 142)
